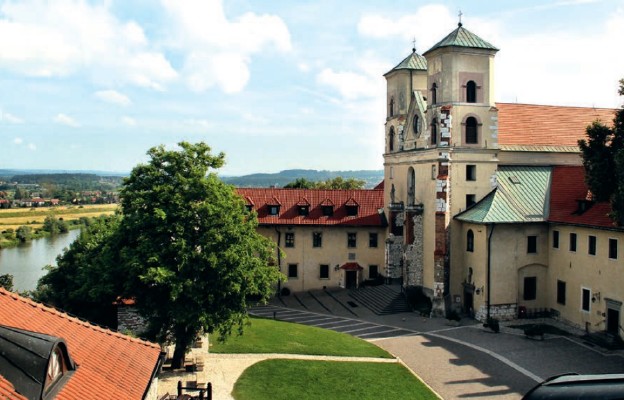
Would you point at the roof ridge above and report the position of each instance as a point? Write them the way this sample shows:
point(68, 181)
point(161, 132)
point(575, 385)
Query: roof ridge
point(75, 319)
point(554, 105)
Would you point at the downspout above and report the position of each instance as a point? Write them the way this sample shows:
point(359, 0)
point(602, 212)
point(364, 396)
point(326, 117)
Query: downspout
point(489, 266)
point(279, 260)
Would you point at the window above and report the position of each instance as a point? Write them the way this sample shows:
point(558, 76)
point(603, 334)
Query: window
point(434, 131)
point(317, 239)
point(274, 210)
point(591, 245)
point(411, 186)
point(292, 270)
point(416, 124)
point(434, 93)
point(328, 211)
point(470, 240)
point(55, 367)
point(530, 288)
point(391, 139)
point(391, 110)
point(561, 292)
point(471, 172)
point(613, 248)
point(531, 244)
point(572, 241)
point(324, 271)
point(351, 239)
point(471, 92)
point(471, 199)
point(351, 210)
point(471, 131)
point(372, 239)
point(373, 271)
point(290, 239)
point(555, 238)
point(585, 299)
point(303, 210)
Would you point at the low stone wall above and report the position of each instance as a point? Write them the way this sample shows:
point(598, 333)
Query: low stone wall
point(129, 320)
point(502, 312)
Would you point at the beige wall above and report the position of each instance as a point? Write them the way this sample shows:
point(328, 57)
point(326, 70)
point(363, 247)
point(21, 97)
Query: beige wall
point(333, 252)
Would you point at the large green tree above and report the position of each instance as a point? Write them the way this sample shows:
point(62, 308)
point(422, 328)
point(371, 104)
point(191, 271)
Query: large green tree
point(330, 183)
point(190, 248)
point(603, 159)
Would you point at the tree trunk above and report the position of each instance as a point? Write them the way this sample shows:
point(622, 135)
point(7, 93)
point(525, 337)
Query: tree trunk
point(182, 341)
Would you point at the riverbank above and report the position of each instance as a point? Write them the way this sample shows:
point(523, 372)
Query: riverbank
point(73, 216)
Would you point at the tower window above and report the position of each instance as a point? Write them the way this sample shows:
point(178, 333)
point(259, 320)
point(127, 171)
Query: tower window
point(471, 199)
point(411, 186)
point(391, 110)
point(471, 92)
point(471, 130)
point(415, 124)
point(391, 139)
point(434, 131)
point(434, 93)
point(470, 241)
point(471, 172)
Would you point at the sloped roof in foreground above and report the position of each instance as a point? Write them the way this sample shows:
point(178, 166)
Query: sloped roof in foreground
point(522, 195)
point(109, 365)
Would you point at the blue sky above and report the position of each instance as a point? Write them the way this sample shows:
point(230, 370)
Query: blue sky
point(280, 84)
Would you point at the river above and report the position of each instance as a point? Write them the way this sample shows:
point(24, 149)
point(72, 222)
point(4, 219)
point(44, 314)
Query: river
point(26, 261)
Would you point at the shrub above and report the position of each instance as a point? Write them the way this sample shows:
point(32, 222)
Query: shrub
point(285, 291)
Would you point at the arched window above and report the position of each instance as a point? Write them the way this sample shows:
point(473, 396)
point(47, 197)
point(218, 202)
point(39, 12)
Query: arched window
point(434, 131)
point(471, 92)
point(472, 136)
point(434, 93)
point(415, 124)
point(411, 186)
point(391, 110)
point(470, 241)
point(391, 139)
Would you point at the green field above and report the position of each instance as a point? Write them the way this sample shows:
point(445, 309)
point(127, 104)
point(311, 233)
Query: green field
point(268, 336)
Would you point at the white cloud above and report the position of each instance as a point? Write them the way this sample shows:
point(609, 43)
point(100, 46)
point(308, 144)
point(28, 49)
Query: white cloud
point(32, 146)
point(200, 123)
point(12, 119)
point(18, 140)
point(218, 51)
point(63, 37)
point(66, 120)
point(129, 121)
point(113, 96)
point(367, 82)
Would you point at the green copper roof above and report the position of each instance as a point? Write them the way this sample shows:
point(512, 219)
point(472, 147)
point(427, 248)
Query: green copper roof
point(522, 195)
point(462, 37)
point(414, 62)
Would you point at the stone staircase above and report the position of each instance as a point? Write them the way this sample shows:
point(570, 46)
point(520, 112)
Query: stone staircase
point(382, 300)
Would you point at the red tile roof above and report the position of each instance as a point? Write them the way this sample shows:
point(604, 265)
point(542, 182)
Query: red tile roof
point(110, 365)
point(7, 391)
point(351, 266)
point(369, 203)
point(568, 186)
point(537, 125)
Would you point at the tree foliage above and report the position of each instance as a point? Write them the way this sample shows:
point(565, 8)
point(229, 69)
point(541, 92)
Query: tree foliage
point(23, 233)
point(331, 183)
point(185, 249)
point(6, 281)
point(603, 159)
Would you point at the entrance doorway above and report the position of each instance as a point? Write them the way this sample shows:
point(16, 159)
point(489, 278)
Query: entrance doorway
point(613, 321)
point(351, 279)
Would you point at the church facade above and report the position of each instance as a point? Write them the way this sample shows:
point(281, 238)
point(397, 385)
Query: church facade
point(451, 154)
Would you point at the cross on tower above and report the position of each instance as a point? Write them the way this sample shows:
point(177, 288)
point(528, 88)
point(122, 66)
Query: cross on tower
point(460, 15)
point(414, 44)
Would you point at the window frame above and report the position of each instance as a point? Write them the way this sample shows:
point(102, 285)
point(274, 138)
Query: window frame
point(351, 240)
point(434, 131)
point(416, 124)
point(555, 239)
point(471, 131)
point(572, 246)
point(471, 172)
point(471, 91)
point(591, 245)
point(471, 200)
point(531, 244)
point(317, 239)
point(470, 241)
point(585, 290)
point(373, 240)
point(613, 249)
point(291, 268)
point(323, 267)
point(391, 139)
point(289, 239)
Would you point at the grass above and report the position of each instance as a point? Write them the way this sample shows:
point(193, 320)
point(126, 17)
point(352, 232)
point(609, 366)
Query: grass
point(308, 380)
point(268, 336)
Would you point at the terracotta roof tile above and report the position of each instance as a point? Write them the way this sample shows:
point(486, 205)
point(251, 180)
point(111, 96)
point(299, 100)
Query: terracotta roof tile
point(568, 186)
point(7, 391)
point(369, 202)
point(110, 365)
point(538, 125)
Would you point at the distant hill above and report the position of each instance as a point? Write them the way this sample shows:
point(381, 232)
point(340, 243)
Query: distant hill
point(279, 179)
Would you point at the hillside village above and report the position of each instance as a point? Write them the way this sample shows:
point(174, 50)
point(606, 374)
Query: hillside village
point(483, 211)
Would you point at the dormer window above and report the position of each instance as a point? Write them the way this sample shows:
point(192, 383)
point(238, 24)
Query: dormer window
point(303, 210)
point(351, 206)
point(55, 367)
point(471, 92)
point(328, 211)
point(274, 206)
point(274, 210)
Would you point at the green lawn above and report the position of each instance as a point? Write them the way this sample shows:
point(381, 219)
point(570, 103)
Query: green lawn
point(320, 380)
point(268, 336)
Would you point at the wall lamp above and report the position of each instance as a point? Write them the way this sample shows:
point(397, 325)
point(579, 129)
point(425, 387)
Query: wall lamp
point(478, 291)
point(595, 297)
point(337, 267)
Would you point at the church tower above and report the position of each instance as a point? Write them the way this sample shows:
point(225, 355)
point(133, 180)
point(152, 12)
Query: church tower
point(440, 162)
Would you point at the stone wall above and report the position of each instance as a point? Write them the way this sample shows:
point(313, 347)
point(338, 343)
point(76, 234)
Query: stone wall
point(414, 252)
point(502, 312)
point(129, 320)
point(394, 256)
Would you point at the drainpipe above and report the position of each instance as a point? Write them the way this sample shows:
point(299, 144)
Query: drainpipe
point(279, 260)
point(489, 266)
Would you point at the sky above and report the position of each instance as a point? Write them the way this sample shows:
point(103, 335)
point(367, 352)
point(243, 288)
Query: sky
point(280, 84)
